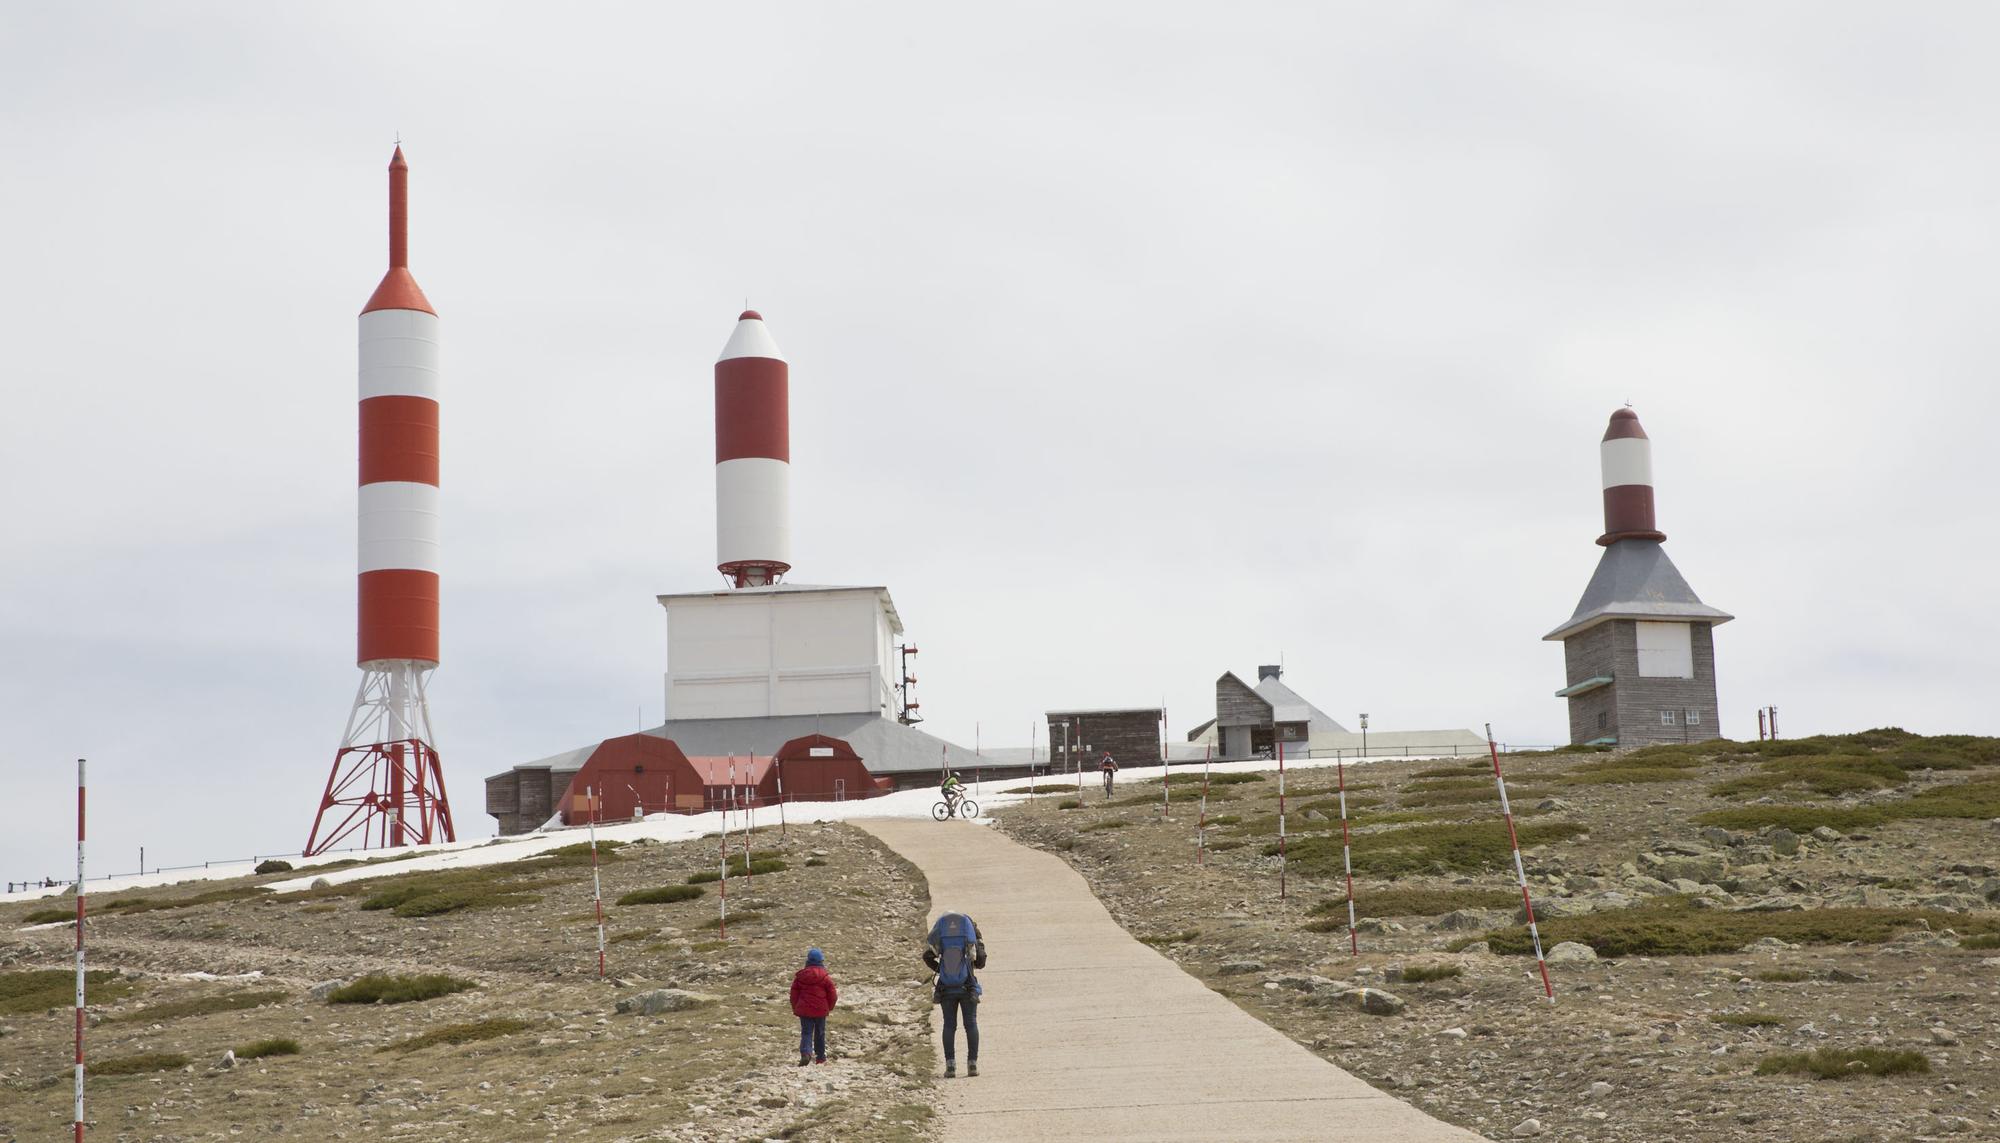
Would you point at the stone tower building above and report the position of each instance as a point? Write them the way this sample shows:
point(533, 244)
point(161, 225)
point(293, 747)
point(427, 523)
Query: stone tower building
point(1640, 650)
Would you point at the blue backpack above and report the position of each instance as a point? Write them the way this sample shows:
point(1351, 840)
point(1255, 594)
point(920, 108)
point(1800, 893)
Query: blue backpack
point(955, 938)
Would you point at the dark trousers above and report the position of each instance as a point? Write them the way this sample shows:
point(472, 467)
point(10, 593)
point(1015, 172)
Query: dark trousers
point(1107, 783)
point(953, 1005)
point(812, 1036)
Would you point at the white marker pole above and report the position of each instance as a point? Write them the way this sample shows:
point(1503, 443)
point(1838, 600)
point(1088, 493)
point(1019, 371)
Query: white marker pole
point(1347, 856)
point(78, 1120)
point(1201, 825)
point(1281, 821)
point(596, 882)
point(779, 767)
point(1520, 873)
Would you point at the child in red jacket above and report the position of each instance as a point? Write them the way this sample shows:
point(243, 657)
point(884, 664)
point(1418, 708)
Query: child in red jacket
point(813, 997)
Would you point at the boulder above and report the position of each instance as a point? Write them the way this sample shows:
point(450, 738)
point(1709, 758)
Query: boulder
point(228, 1059)
point(661, 1000)
point(1240, 967)
point(1783, 842)
point(1828, 834)
point(1552, 805)
point(1716, 835)
point(325, 988)
point(1528, 1127)
point(1467, 920)
point(1571, 952)
point(1374, 1001)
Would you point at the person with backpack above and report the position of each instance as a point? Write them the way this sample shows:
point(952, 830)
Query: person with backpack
point(1108, 767)
point(953, 950)
point(813, 998)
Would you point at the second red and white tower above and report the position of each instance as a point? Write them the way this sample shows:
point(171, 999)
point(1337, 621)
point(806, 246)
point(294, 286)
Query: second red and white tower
point(753, 457)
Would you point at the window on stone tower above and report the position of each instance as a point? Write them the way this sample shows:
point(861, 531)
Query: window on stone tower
point(1667, 718)
point(1603, 720)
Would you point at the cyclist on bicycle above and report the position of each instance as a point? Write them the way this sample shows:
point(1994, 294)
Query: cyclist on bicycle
point(952, 789)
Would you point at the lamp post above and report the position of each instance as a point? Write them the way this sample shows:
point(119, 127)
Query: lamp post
point(1364, 736)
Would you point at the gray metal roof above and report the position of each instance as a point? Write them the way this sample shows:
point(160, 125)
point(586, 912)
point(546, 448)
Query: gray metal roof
point(885, 745)
point(1636, 580)
point(1288, 706)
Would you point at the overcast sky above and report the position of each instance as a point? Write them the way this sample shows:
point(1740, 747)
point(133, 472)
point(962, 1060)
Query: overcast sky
point(1130, 344)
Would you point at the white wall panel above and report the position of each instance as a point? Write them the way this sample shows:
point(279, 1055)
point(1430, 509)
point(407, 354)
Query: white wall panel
point(1627, 460)
point(399, 354)
point(399, 527)
point(1666, 650)
point(753, 510)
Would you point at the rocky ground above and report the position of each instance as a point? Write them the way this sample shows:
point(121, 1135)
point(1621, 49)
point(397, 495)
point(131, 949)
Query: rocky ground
point(1690, 952)
point(705, 1051)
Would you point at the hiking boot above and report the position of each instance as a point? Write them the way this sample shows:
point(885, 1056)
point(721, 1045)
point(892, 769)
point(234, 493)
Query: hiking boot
point(819, 1059)
point(950, 1069)
point(971, 1069)
point(804, 1059)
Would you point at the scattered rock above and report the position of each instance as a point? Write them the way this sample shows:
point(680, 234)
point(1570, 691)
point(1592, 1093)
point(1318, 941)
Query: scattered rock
point(1943, 1036)
point(1571, 952)
point(228, 1059)
point(1374, 1001)
point(326, 988)
point(1528, 1127)
point(1716, 835)
point(321, 883)
point(1453, 1033)
point(1467, 920)
point(1235, 967)
point(1552, 805)
point(1477, 948)
point(1598, 1090)
point(1828, 833)
point(664, 1000)
point(1783, 842)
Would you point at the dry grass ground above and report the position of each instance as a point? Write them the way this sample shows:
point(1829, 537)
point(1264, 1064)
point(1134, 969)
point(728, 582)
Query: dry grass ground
point(532, 1049)
point(1753, 984)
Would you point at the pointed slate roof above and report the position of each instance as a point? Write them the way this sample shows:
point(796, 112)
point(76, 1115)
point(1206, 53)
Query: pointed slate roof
point(1636, 580)
point(1288, 706)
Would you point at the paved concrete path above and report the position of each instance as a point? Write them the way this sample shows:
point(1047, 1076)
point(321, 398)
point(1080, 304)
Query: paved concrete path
point(1087, 1034)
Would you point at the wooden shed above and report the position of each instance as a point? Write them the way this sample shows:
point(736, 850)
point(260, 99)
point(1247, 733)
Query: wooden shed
point(819, 768)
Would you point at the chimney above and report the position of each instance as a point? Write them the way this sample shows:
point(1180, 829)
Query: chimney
point(1270, 671)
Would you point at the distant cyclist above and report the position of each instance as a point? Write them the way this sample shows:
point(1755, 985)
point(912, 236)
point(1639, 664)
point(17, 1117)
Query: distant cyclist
point(1108, 767)
point(952, 789)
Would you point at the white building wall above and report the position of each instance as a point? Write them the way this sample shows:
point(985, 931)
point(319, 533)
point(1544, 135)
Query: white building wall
point(755, 653)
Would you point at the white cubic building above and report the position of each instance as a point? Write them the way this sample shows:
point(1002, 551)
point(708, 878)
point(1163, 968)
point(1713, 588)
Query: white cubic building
point(784, 649)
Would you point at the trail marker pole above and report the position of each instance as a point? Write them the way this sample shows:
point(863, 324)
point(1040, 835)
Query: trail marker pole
point(722, 888)
point(1346, 855)
point(1201, 824)
point(77, 1121)
point(780, 768)
point(1520, 873)
point(596, 881)
point(1281, 821)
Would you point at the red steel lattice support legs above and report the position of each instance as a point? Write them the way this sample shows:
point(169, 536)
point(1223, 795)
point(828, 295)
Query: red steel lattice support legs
point(382, 794)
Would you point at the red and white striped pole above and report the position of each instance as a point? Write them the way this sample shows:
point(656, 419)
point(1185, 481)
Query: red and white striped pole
point(1520, 873)
point(1346, 855)
point(78, 1120)
point(1201, 824)
point(722, 889)
point(596, 883)
point(1281, 821)
point(779, 767)
point(1166, 787)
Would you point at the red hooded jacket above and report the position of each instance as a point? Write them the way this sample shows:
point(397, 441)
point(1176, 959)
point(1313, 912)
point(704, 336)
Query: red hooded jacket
point(813, 993)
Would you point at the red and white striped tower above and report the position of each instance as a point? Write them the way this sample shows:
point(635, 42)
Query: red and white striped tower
point(753, 457)
point(386, 787)
point(1626, 460)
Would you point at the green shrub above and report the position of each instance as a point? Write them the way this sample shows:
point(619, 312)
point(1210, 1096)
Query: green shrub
point(1231, 779)
point(382, 988)
point(1782, 976)
point(1976, 799)
point(262, 1048)
point(1396, 901)
point(1670, 926)
point(737, 868)
point(1109, 823)
point(1220, 846)
point(273, 865)
point(129, 905)
point(139, 1064)
point(1981, 941)
point(1225, 819)
point(1747, 1019)
point(664, 895)
point(1458, 771)
point(203, 1006)
point(488, 1029)
point(1446, 847)
point(815, 862)
point(1845, 1063)
point(1044, 788)
point(1825, 774)
point(1424, 973)
point(49, 916)
point(1069, 804)
point(34, 990)
point(458, 900)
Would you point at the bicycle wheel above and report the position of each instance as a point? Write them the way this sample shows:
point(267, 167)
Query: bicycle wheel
point(967, 808)
point(941, 811)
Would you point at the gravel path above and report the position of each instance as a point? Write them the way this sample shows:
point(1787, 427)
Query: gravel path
point(1088, 1034)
